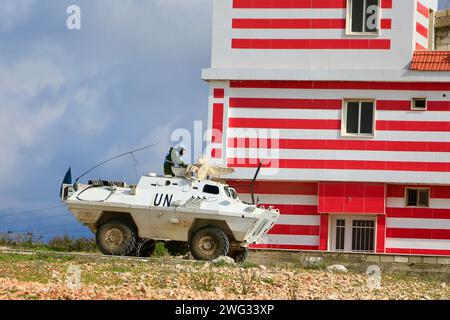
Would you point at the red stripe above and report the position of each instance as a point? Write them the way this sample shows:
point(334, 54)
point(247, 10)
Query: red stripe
point(405, 105)
point(295, 230)
point(381, 233)
point(340, 164)
point(420, 47)
point(422, 30)
point(286, 4)
point(298, 4)
point(343, 85)
point(407, 146)
point(398, 191)
point(321, 124)
point(283, 247)
point(219, 93)
point(323, 242)
point(315, 44)
point(261, 103)
point(386, 4)
point(216, 153)
point(418, 213)
point(295, 209)
point(413, 125)
point(437, 234)
point(288, 23)
point(276, 187)
point(284, 123)
point(217, 125)
point(391, 105)
point(296, 24)
point(386, 24)
point(423, 10)
point(419, 251)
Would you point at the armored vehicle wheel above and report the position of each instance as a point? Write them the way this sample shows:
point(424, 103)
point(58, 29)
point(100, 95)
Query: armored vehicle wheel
point(209, 243)
point(239, 256)
point(116, 237)
point(145, 248)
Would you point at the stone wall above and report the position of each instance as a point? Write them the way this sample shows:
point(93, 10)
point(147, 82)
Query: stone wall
point(359, 262)
point(442, 32)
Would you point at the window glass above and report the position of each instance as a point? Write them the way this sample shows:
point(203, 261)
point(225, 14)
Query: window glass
point(423, 198)
point(419, 104)
point(366, 117)
point(411, 197)
point(371, 16)
point(357, 15)
point(211, 189)
point(352, 117)
point(364, 16)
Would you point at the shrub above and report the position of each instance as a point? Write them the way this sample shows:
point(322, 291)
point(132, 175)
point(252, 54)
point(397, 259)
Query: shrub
point(66, 243)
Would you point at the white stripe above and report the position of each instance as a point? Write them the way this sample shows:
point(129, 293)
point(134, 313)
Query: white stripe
point(376, 94)
point(435, 203)
point(409, 223)
point(306, 13)
point(295, 34)
point(305, 200)
point(299, 220)
point(434, 244)
point(380, 135)
point(424, 21)
point(273, 153)
point(290, 240)
point(284, 113)
point(404, 177)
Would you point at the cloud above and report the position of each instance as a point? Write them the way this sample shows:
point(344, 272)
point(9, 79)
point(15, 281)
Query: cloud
point(14, 12)
point(23, 119)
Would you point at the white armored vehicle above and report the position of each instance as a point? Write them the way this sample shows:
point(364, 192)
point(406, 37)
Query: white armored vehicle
point(206, 215)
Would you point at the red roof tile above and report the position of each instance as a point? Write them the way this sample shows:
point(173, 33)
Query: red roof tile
point(431, 61)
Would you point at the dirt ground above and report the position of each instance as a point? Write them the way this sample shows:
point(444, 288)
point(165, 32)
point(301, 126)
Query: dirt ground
point(43, 276)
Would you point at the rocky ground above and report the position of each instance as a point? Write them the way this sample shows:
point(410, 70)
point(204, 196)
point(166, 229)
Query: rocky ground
point(43, 276)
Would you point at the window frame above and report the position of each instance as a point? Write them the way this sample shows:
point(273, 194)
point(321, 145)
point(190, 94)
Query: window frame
point(348, 22)
point(417, 203)
point(348, 227)
point(344, 119)
point(413, 100)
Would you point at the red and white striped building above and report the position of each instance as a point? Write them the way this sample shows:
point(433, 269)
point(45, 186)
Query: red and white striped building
point(354, 138)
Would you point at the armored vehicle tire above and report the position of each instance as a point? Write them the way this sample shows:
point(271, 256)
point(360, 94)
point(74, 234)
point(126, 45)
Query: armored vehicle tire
point(209, 243)
point(239, 256)
point(145, 248)
point(116, 237)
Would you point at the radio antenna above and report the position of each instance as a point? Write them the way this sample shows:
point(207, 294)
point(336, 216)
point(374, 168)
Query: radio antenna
point(114, 158)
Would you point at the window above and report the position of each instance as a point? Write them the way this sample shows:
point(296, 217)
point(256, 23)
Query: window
point(353, 233)
point(340, 235)
point(362, 16)
point(359, 118)
point(231, 193)
point(363, 235)
point(211, 189)
point(419, 104)
point(417, 197)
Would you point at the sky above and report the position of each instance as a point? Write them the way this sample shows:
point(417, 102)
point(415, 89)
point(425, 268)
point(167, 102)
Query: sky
point(128, 78)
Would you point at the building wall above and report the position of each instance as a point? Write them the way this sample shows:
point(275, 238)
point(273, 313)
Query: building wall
point(402, 230)
point(295, 128)
point(310, 35)
point(418, 230)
